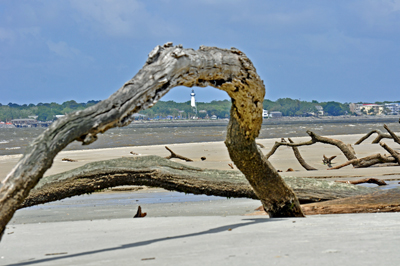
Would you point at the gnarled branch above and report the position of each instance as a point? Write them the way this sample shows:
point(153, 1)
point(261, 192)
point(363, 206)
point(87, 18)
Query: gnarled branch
point(167, 66)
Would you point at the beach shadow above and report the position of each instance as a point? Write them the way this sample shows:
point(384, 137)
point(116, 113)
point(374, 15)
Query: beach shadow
point(148, 242)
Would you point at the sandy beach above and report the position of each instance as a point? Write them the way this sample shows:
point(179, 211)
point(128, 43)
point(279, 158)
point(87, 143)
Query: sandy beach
point(180, 229)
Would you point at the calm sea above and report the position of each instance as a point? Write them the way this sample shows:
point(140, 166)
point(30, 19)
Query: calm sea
point(15, 140)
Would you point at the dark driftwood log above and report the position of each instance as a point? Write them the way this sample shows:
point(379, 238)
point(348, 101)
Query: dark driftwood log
point(394, 136)
point(177, 156)
point(300, 158)
point(379, 182)
point(167, 66)
point(160, 172)
point(379, 201)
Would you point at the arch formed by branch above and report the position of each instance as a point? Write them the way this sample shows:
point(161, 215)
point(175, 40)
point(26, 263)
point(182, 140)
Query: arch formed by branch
point(167, 66)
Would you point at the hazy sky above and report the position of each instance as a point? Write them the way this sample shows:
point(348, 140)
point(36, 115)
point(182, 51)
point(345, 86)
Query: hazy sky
point(54, 51)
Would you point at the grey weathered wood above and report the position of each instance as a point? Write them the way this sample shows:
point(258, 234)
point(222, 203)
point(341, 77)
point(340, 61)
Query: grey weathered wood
point(161, 172)
point(167, 66)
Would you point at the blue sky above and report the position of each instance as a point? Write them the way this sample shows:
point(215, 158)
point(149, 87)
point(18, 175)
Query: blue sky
point(54, 51)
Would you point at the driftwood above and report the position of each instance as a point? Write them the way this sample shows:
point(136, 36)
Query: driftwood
point(299, 157)
point(380, 136)
point(156, 171)
point(139, 213)
point(328, 161)
point(347, 150)
point(394, 136)
point(366, 161)
point(379, 201)
point(392, 152)
point(167, 66)
point(174, 155)
point(379, 182)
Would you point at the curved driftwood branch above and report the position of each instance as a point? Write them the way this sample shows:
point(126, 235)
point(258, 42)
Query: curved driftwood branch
point(347, 150)
point(376, 181)
point(392, 134)
point(380, 136)
point(166, 67)
point(300, 159)
point(392, 152)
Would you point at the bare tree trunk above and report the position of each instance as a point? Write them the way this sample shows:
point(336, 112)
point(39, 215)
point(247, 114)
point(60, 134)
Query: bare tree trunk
point(165, 68)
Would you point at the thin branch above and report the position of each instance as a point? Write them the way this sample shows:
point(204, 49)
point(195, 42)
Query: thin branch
point(394, 136)
point(300, 158)
point(392, 152)
point(174, 155)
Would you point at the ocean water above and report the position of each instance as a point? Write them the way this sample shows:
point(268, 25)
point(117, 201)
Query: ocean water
point(15, 140)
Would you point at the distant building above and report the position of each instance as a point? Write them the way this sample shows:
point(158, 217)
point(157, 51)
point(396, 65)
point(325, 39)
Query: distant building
point(319, 109)
point(275, 114)
point(213, 117)
point(392, 108)
point(265, 114)
point(371, 109)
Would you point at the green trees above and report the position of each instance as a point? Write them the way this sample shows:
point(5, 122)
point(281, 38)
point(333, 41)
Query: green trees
point(43, 111)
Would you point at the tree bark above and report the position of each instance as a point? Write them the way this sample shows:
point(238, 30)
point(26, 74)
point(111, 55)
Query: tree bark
point(166, 67)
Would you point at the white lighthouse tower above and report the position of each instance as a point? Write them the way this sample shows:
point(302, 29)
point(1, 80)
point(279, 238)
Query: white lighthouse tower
point(193, 102)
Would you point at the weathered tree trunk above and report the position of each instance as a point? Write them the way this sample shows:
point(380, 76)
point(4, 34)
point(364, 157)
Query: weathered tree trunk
point(392, 152)
point(165, 68)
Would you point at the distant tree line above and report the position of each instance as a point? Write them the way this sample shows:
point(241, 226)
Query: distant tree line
point(162, 109)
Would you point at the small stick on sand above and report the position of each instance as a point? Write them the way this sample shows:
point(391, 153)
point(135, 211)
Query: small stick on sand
point(174, 155)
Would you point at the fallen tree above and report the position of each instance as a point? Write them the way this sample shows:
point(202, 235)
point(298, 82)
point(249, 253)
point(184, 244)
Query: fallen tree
point(167, 66)
point(161, 172)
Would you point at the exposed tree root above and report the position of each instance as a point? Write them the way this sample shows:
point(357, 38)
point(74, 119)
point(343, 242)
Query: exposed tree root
point(177, 156)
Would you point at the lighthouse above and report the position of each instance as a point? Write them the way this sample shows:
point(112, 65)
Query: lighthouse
point(193, 102)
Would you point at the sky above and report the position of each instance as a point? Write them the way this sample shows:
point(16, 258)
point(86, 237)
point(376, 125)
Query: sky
point(324, 50)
